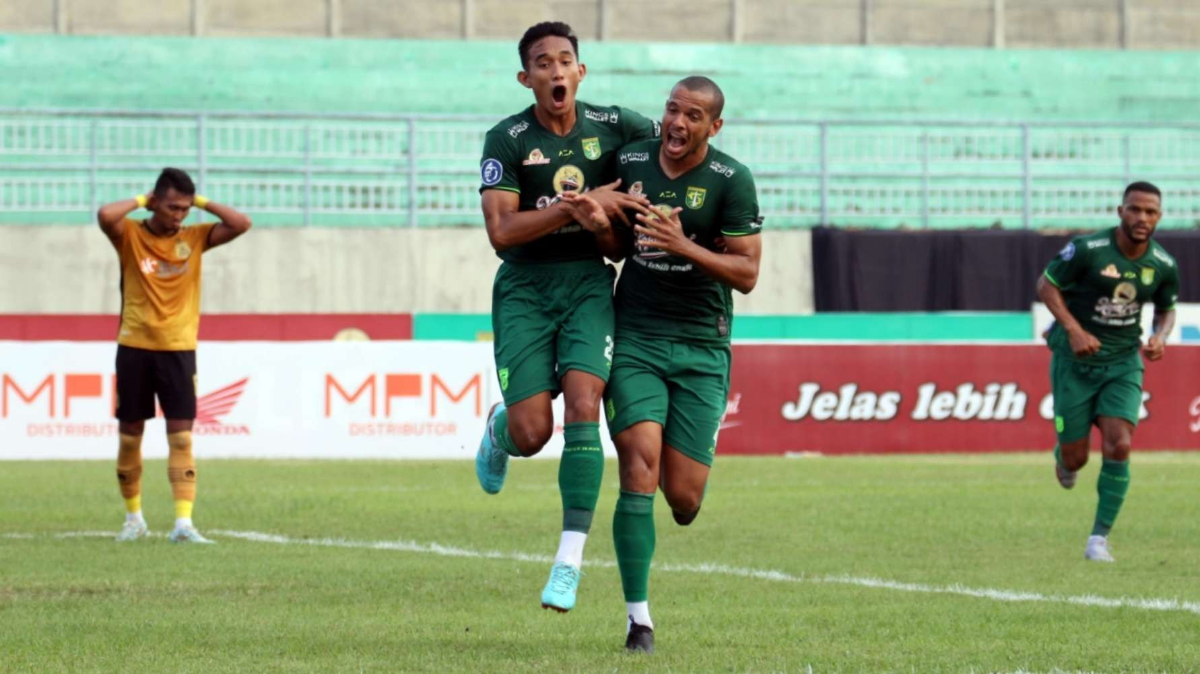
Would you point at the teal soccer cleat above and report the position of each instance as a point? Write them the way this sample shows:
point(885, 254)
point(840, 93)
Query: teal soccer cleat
point(491, 462)
point(560, 589)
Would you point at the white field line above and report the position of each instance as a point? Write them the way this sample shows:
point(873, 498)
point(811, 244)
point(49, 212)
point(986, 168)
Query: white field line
point(1146, 604)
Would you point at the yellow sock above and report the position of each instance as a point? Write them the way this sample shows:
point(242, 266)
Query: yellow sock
point(183, 508)
point(129, 471)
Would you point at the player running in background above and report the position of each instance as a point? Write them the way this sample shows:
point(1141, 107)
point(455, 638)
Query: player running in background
point(156, 344)
point(674, 308)
point(1095, 287)
point(552, 313)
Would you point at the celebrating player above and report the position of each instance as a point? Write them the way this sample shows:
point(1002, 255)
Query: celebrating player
point(674, 309)
point(156, 344)
point(552, 313)
point(1095, 287)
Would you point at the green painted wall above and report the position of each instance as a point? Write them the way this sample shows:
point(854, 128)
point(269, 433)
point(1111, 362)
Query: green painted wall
point(317, 75)
point(917, 327)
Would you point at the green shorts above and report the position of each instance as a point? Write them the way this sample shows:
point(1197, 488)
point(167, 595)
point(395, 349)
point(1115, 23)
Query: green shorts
point(548, 319)
point(682, 387)
point(1083, 392)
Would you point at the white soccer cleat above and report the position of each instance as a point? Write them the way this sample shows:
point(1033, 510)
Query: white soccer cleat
point(1097, 550)
point(188, 535)
point(131, 531)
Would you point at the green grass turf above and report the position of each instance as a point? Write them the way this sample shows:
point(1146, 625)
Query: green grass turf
point(1000, 522)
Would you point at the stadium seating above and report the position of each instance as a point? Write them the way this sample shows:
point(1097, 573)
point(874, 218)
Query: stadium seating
point(878, 159)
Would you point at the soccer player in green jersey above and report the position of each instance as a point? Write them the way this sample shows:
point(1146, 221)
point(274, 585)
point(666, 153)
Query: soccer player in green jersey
point(674, 305)
point(552, 314)
point(1095, 287)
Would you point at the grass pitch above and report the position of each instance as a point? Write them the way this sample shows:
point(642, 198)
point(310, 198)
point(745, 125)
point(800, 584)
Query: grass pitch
point(950, 563)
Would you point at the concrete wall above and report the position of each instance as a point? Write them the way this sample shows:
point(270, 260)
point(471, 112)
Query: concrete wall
point(1140, 24)
point(64, 269)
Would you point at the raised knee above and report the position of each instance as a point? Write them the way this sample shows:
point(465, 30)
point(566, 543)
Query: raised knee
point(531, 436)
point(1075, 461)
point(684, 502)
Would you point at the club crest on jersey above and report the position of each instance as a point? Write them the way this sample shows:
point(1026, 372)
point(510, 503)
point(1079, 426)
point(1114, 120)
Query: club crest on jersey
point(1147, 276)
point(182, 250)
point(536, 157)
point(636, 188)
point(694, 198)
point(591, 148)
point(568, 179)
point(1110, 271)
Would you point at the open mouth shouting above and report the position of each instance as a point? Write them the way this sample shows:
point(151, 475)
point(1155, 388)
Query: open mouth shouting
point(559, 95)
point(676, 144)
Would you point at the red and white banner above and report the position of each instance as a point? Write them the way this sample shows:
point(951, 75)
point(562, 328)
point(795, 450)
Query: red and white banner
point(429, 400)
point(885, 398)
point(263, 399)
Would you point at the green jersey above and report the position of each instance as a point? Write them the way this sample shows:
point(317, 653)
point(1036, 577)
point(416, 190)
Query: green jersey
point(520, 155)
point(1105, 291)
point(665, 296)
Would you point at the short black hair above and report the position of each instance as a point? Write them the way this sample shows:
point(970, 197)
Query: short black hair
point(545, 29)
point(1142, 186)
point(173, 178)
point(702, 83)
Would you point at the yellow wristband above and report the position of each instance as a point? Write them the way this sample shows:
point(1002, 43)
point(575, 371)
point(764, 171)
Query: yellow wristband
point(141, 200)
point(199, 201)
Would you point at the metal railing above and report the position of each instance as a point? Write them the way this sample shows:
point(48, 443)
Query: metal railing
point(421, 170)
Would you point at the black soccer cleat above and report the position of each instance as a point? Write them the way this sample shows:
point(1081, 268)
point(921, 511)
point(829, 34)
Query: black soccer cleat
point(640, 639)
point(684, 519)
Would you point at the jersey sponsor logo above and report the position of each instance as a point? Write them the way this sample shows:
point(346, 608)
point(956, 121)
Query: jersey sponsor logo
point(1129, 274)
point(636, 188)
point(1164, 257)
point(694, 198)
point(182, 249)
point(491, 172)
point(601, 116)
point(591, 148)
point(627, 157)
point(568, 179)
point(1067, 252)
point(1100, 243)
point(1110, 271)
point(666, 194)
point(535, 158)
point(566, 152)
point(162, 268)
point(517, 129)
point(645, 252)
point(657, 129)
point(1147, 276)
point(722, 169)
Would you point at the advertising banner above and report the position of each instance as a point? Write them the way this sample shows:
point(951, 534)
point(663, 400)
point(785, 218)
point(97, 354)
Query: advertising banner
point(263, 399)
point(884, 398)
point(430, 399)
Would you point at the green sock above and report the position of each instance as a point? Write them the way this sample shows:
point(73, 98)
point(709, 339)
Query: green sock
point(579, 473)
point(1112, 485)
point(1058, 456)
point(633, 536)
point(500, 433)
